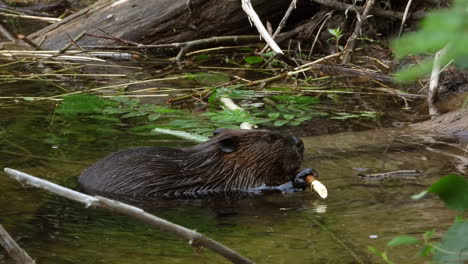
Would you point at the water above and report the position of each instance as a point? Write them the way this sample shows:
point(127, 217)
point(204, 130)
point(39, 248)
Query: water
point(292, 228)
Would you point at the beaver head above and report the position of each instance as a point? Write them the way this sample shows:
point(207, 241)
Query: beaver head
point(233, 160)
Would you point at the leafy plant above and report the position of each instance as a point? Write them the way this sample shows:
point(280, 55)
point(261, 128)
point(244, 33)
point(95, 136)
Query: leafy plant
point(254, 59)
point(227, 118)
point(73, 105)
point(292, 110)
point(439, 29)
point(234, 93)
point(453, 190)
point(107, 113)
point(337, 34)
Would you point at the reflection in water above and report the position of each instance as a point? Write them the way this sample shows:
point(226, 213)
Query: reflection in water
point(273, 228)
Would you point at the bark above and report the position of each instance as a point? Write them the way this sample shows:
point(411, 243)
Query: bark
point(156, 21)
point(13, 249)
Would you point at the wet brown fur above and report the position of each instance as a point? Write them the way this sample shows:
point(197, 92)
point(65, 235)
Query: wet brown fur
point(232, 160)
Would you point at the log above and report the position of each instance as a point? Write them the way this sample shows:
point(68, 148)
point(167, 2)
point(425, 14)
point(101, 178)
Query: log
point(155, 22)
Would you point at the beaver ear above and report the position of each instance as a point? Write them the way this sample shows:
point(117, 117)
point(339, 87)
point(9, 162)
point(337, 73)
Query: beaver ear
point(217, 131)
point(228, 145)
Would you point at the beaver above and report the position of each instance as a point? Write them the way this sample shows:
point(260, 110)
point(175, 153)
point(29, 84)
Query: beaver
point(232, 160)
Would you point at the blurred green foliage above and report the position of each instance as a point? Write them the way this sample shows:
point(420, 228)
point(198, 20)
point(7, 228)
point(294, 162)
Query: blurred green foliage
point(453, 191)
point(441, 28)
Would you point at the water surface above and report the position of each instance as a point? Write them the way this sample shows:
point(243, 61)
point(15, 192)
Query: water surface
point(290, 228)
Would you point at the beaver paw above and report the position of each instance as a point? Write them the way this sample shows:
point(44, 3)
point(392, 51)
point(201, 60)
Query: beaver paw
point(300, 180)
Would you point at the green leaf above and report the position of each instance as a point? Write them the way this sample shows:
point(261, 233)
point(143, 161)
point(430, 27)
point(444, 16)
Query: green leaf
point(105, 118)
point(382, 255)
point(403, 240)
point(83, 104)
point(28, 98)
point(119, 99)
point(304, 118)
point(273, 116)
point(453, 247)
point(414, 71)
point(453, 190)
point(144, 128)
point(374, 250)
point(269, 54)
point(279, 123)
point(154, 116)
point(169, 111)
point(133, 114)
point(147, 108)
point(288, 116)
point(336, 32)
point(295, 123)
point(429, 234)
point(298, 99)
point(114, 111)
point(233, 92)
point(442, 28)
point(281, 107)
point(202, 57)
point(425, 251)
point(133, 102)
point(214, 94)
point(253, 59)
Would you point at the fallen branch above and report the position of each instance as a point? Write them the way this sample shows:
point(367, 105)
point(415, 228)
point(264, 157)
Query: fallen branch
point(186, 46)
point(376, 11)
point(45, 19)
point(324, 22)
point(405, 16)
point(434, 83)
point(195, 239)
point(13, 249)
point(4, 32)
point(399, 174)
point(283, 21)
point(249, 10)
point(351, 43)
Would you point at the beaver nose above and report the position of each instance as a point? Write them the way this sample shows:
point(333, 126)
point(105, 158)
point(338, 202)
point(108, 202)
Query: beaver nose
point(298, 142)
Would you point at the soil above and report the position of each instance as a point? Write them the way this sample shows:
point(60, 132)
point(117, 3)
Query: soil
point(455, 123)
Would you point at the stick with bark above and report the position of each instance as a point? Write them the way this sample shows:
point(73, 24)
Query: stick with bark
point(394, 15)
point(283, 22)
point(351, 44)
point(4, 32)
point(13, 249)
point(434, 83)
point(195, 239)
point(249, 10)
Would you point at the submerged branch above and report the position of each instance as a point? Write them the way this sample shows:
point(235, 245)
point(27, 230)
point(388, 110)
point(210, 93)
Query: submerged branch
point(195, 239)
point(13, 249)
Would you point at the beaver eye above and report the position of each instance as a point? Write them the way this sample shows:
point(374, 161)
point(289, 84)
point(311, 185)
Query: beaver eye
point(228, 145)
